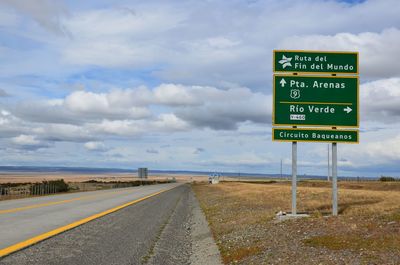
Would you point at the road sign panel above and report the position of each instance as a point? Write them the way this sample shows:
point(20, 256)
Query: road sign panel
point(291, 61)
point(314, 135)
point(315, 101)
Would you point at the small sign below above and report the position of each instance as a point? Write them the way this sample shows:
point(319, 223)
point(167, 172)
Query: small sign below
point(314, 135)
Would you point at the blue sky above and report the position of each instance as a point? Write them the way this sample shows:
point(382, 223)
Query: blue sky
point(184, 84)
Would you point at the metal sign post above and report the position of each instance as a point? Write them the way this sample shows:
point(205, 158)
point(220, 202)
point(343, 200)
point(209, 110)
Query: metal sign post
point(329, 167)
point(334, 180)
point(294, 177)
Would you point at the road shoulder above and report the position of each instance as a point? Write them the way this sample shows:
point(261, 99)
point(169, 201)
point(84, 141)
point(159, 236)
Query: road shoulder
point(185, 237)
point(204, 248)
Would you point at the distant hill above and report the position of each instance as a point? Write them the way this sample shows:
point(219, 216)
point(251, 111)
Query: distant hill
point(88, 170)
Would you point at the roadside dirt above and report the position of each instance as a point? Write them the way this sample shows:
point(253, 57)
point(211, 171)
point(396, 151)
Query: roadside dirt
point(243, 223)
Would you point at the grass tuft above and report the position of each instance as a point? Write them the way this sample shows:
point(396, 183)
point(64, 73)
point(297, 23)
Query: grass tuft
point(355, 242)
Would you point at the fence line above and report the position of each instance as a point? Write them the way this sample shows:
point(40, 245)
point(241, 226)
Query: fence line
point(41, 189)
point(8, 192)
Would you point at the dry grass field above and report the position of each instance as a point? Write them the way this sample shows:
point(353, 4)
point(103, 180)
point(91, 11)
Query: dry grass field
point(242, 219)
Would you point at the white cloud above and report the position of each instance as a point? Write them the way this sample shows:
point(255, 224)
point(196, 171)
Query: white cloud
point(130, 128)
point(171, 94)
point(25, 140)
point(51, 111)
point(379, 149)
point(376, 150)
point(11, 126)
point(226, 109)
point(380, 101)
point(81, 106)
point(140, 97)
point(8, 19)
point(245, 159)
point(179, 73)
point(379, 53)
point(169, 122)
point(95, 146)
point(129, 110)
point(82, 101)
point(222, 42)
point(119, 36)
point(63, 133)
point(28, 142)
point(177, 43)
point(190, 44)
point(103, 105)
point(46, 13)
point(118, 127)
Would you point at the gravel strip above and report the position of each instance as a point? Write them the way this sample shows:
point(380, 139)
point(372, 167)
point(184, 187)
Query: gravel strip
point(174, 244)
point(204, 248)
point(186, 238)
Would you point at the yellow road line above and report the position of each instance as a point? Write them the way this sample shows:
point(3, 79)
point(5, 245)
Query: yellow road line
point(36, 239)
point(49, 204)
point(40, 205)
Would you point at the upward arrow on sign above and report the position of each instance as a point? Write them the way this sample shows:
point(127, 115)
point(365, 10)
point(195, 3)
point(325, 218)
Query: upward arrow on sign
point(283, 82)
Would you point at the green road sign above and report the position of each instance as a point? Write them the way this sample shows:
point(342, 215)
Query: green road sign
point(315, 62)
point(314, 135)
point(315, 101)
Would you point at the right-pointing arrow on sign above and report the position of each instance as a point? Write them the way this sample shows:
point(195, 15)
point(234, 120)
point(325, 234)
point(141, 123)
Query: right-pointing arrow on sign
point(348, 109)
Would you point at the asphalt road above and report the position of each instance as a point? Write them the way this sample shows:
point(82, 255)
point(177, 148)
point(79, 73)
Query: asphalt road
point(26, 218)
point(154, 231)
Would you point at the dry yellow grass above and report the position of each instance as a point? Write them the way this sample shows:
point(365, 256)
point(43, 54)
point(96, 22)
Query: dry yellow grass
point(241, 216)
